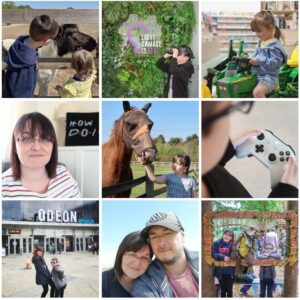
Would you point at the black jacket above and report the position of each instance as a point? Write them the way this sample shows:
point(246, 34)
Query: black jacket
point(42, 272)
point(181, 75)
point(222, 184)
point(111, 286)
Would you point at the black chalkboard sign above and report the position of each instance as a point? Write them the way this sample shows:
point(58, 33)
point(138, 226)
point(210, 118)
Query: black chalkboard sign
point(82, 129)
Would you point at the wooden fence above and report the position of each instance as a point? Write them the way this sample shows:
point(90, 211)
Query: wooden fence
point(62, 16)
point(150, 192)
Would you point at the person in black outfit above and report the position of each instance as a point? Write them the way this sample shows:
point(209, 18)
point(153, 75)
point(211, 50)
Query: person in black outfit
point(132, 260)
point(43, 276)
point(180, 69)
point(218, 149)
point(221, 251)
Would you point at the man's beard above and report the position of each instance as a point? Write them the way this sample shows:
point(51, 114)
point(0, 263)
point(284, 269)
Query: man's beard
point(170, 261)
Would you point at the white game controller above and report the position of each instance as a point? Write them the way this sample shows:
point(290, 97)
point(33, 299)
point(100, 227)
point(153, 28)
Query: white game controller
point(270, 151)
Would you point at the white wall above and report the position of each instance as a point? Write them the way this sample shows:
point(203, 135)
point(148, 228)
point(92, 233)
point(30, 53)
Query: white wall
point(231, 6)
point(12, 110)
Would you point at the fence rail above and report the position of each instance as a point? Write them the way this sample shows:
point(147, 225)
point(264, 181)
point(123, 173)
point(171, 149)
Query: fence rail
point(62, 16)
point(150, 192)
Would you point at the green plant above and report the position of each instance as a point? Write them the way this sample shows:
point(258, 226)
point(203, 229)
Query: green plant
point(126, 74)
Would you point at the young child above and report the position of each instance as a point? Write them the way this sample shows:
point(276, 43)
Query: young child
point(179, 69)
point(21, 74)
point(267, 274)
point(268, 55)
point(58, 277)
point(221, 251)
point(179, 184)
point(79, 86)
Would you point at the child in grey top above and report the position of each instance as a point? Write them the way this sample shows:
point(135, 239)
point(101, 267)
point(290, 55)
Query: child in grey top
point(58, 276)
point(179, 184)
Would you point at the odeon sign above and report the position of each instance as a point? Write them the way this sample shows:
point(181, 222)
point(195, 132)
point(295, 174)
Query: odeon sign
point(57, 216)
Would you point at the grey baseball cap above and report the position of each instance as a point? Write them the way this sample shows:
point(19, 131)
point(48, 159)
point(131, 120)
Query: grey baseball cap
point(165, 219)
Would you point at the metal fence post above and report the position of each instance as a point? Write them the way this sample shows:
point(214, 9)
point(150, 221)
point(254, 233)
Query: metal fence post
point(149, 185)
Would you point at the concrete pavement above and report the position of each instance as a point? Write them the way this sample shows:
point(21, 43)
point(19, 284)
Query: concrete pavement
point(81, 270)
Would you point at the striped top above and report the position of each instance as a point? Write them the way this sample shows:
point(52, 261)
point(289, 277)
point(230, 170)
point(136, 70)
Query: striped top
point(62, 185)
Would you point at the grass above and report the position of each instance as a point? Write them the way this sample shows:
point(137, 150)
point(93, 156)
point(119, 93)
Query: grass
point(139, 171)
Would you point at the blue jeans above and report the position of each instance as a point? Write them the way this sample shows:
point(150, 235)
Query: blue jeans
point(266, 284)
point(246, 279)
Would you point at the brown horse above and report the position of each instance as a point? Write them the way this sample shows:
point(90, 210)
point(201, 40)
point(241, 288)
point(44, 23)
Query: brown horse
point(131, 133)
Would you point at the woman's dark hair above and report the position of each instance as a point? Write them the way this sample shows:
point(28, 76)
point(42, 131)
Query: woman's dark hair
point(36, 249)
point(186, 51)
point(131, 242)
point(230, 232)
point(183, 159)
point(265, 19)
point(34, 123)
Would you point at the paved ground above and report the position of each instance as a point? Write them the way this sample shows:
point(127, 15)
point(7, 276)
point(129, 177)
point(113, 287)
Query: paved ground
point(81, 269)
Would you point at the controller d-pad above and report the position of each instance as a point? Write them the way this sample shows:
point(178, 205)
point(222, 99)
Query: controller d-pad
point(261, 137)
point(259, 148)
point(272, 157)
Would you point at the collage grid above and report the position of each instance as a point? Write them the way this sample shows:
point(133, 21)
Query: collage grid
point(81, 236)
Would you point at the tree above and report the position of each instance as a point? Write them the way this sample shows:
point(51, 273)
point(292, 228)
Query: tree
point(291, 272)
point(175, 141)
point(208, 282)
point(191, 138)
point(160, 139)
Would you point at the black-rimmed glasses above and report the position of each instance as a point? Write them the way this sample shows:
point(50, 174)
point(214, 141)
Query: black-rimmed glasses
point(242, 106)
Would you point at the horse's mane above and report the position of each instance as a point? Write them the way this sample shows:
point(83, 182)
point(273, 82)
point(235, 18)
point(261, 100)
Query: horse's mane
point(117, 130)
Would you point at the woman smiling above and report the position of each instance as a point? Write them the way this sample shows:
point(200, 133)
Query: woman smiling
point(34, 171)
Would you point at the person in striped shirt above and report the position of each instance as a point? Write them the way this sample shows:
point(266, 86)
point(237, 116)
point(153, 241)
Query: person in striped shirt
point(35, 171)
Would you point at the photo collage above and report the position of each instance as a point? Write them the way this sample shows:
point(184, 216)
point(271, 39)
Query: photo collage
point(111, 108)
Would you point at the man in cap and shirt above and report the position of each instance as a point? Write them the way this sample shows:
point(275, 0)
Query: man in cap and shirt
point(175, 270)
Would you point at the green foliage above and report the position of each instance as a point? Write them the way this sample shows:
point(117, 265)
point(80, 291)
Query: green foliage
point(12, 5)
point(127, 74)
point(160, 139)
point(260, 206)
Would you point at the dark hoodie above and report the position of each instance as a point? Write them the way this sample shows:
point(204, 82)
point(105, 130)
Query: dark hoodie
point(181, 76)
point(21, 74)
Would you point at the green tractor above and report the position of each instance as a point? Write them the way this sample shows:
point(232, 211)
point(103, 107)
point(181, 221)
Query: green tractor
point(233, 78)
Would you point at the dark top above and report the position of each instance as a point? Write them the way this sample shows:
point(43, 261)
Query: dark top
point(42, 272)
point(219, 250)
point(21, 74)
point(222, 184)
point(181, 75)
point(111, 286)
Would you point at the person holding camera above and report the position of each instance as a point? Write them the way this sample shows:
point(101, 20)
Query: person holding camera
point(177, 63)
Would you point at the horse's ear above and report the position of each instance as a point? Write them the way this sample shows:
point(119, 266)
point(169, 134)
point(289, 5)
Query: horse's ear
point(146, 107)
point(126, 106)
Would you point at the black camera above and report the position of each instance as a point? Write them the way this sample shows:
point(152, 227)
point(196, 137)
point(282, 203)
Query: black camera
point(169, 51)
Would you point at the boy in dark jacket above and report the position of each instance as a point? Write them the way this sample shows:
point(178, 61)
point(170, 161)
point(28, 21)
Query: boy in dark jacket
point(267, 274)
point(179, 69)
point(21, 74)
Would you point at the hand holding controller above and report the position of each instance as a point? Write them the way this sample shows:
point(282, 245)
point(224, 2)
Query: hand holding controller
point(270, 151)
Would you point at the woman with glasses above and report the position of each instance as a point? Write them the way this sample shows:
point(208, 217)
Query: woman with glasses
point(35, 171)
point(132, 260)
point(218, 148)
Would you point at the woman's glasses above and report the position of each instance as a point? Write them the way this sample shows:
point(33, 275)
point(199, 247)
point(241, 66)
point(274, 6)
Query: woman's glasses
point(142, 259)
point(242, 106)
point(27, 140)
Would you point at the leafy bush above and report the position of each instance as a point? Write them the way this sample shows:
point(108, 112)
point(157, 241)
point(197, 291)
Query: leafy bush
point(136, 76)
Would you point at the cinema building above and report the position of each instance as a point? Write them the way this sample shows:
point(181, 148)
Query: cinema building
point(60, 226)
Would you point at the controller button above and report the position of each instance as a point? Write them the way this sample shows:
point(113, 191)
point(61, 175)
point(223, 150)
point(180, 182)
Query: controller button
point(281, 158)
point(281, 153)
point(287, 159)
point(287, 152)
point(272, 157)
point(259, 148)
point(261, 137)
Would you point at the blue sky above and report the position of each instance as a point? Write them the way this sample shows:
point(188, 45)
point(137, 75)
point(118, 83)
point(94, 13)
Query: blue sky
point(171, 118)
point(60, 4)
point(122, 217)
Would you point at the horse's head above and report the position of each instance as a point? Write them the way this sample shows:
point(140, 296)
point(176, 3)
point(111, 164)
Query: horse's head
point(137, 127)
point(70, 39)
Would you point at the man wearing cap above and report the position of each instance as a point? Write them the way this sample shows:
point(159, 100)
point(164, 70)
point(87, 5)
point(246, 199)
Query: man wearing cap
point(175, 270)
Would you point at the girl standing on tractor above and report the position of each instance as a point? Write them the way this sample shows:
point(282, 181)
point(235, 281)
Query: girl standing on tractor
point(268, 55)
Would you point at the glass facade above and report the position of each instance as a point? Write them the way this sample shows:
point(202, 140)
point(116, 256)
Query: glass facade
point(27, 211)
